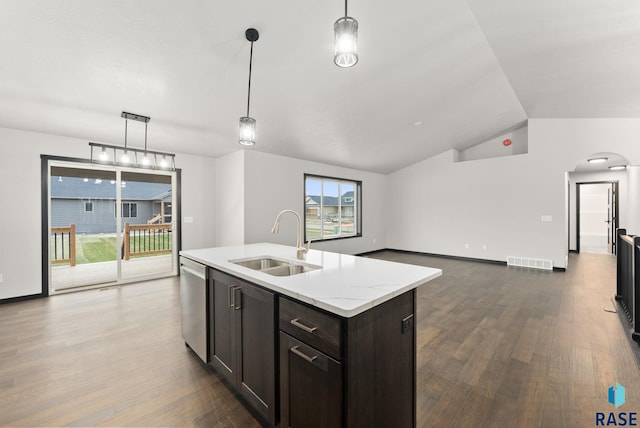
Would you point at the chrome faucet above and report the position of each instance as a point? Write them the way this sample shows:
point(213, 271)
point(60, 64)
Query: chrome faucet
point(300, 249)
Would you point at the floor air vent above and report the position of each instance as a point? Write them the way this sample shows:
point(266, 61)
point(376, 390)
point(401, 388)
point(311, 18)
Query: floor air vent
point(530, 263)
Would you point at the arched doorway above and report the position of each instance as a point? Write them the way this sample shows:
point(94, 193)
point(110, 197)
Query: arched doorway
point(594, 202)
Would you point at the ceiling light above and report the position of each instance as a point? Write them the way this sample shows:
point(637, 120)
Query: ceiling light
point(98, 181)
point(86, 180)
point(60, 179)
point(125, 157)
point(617, 167)
point(346, 40)
point(597, 160)
point(145, 158)
point(247, 123)
point(149, 157)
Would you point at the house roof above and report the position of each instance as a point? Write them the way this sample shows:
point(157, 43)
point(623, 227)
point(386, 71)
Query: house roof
point(328, 201)
point(77, 188)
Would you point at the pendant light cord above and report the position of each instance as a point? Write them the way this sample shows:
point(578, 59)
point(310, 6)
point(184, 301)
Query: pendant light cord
point(345, 8)
point(249, 91)
point(126, 121)
point(145, 138)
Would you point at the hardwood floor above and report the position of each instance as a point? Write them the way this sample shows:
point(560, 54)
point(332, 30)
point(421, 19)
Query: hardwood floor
point(497, 347)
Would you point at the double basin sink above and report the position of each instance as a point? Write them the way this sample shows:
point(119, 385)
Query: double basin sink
point(275, 267)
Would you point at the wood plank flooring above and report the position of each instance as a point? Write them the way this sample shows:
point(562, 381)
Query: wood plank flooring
point(497, 347)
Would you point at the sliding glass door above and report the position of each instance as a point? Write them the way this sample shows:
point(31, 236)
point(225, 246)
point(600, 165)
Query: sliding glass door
point(146, 202)
point(109, 225)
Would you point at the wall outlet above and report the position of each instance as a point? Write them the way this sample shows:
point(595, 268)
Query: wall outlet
point(374, 240)
point(466, 245)
point(1, 278)
point(188, 220)
point(546, 218)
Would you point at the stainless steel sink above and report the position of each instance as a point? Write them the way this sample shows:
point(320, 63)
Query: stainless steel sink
point(259, 264)
point(275, 267)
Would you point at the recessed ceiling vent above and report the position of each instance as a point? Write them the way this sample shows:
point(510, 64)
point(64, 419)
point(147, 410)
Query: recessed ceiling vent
point(530, 263)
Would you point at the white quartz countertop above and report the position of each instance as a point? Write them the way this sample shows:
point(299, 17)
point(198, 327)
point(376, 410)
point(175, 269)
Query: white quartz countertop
point(344, 285)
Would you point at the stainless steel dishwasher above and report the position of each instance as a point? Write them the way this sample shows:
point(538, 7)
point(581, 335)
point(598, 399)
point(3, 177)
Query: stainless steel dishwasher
point(193, 301)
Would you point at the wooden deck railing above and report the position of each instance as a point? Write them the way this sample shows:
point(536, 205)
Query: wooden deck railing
point(628, 278)
point(60, 245)
point(146, 239)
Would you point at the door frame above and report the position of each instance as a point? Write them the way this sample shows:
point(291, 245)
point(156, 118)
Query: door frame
point(616, 208)
point(45, 161)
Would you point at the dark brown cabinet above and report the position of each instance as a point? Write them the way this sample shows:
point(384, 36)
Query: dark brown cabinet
point(242, 339)
point(310, 386)
point(303, 367)
point(347, 372)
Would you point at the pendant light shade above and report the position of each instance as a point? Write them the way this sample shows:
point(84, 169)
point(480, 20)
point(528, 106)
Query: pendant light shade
point(247, 123)
point(247, 131)
point(346, 40)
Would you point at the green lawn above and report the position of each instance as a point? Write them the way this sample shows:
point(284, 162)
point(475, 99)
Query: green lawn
point(102, 248)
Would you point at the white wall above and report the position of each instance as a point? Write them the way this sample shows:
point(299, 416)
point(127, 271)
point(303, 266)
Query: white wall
point(274, 183)
point(590, 177)
point(20, 225)
point(632, 222)
point(230, 199)
point(495, 148)
point(500, 202)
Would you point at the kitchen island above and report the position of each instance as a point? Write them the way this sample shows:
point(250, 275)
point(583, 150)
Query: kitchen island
point(327, 341)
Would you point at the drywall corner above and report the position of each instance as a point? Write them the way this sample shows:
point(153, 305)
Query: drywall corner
point(229, 197)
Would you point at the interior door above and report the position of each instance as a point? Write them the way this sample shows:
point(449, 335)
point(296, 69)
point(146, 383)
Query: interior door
point(612, 217)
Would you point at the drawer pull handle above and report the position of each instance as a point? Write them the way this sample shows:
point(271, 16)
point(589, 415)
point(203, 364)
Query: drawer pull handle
point(296, 322)
point(302, 355)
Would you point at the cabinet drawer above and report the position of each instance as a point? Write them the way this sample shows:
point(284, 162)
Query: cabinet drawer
point(315, 328)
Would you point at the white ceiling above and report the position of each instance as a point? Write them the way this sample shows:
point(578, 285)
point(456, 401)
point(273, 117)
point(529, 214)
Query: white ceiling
point(468, 70)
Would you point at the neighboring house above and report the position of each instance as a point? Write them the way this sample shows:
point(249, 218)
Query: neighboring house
point(91, 206)
point(329, 205)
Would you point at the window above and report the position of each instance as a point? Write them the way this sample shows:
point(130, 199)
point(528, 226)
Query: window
point(129, 209)
point(88, 207)
point(332, 208)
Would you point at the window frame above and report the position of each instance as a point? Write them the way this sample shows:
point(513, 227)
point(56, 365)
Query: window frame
point(357, 200)
point(88, 204)
point(129, 204)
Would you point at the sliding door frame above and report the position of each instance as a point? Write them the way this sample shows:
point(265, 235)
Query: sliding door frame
point(45, 164)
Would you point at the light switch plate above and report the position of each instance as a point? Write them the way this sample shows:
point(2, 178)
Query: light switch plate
point(546, 218)
point(188, 220)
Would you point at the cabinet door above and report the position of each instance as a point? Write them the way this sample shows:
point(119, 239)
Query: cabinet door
point(255, 308)
point(222, 341)
point(310, 386)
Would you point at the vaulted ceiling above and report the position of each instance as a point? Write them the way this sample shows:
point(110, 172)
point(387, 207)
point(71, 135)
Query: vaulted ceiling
point(432, 74)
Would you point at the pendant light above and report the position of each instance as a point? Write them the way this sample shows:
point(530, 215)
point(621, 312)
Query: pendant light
point(125, 156)
point(346, 40)
point(247, 123)
point(131, 156)
point(145, 159)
